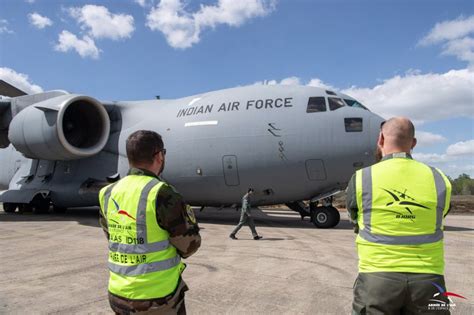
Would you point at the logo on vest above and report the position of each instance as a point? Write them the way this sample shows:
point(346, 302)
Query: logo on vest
point(121, 212)
point(402, 200)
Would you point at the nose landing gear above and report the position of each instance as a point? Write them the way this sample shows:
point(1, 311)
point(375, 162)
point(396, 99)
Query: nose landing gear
point(325, 216)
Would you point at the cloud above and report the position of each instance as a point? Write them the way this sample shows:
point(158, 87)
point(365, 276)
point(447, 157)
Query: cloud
point(4, 27)
point(449, 30)
point(30, 1)
point(285, 81)
point(19, 80)
point(39, 21)
point(182, 29)
point(431, 157)
point(455, 36)
point(456, 169)
point(100, 23)
point(427, 138)
point(142, 3)
point(460, 152)
point(297, 81)
point(321, 84)
point(85, 47)
point(422, 97)
point(462, 48)
point(448, 164)
point(461, 148)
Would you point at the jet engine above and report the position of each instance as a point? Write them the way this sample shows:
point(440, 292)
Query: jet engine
point(66, 127)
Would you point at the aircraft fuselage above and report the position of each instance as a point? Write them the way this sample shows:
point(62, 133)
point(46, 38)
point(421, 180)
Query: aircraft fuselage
point(218, 145)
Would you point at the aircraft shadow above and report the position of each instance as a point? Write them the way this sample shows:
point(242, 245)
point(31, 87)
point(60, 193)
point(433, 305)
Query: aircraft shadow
point(457, 228)
point(90, 217)
point(261, 218)
point(83, 216)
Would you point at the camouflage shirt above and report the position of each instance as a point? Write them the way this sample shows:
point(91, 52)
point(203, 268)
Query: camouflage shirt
point(172, 215)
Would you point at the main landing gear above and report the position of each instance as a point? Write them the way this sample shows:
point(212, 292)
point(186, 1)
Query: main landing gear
point(39, 205)
point(323, 217)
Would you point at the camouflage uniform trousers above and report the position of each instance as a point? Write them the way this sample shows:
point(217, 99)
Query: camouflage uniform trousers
point(245, 219)
point(172, 304)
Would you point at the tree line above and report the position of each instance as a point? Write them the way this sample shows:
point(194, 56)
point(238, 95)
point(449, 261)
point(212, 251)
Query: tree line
point(463, 185)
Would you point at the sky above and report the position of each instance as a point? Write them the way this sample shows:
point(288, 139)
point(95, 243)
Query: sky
point(408, 57)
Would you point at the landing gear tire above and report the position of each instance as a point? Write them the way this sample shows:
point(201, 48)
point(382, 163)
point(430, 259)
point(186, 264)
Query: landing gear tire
point(41, 208)
point(40, 205)
point(59, 210)
point(10, 207)
point(325, 217)
point(25, 207)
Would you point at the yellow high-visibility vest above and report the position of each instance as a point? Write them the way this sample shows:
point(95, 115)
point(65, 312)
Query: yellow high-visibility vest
point(401, 204)
point(142, 262)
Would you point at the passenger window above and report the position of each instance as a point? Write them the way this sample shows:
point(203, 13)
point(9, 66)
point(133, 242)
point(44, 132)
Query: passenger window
point(335, 103)
point(316, 104)
point(353, 124)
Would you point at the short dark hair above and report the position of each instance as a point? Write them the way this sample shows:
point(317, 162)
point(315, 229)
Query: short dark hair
point(142, 146)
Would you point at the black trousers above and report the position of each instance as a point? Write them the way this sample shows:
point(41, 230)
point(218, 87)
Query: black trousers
point(399, 293)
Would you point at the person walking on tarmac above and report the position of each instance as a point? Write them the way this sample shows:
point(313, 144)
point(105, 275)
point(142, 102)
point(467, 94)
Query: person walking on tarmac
point(150, 229)
point(398, 206)
point(246, 217)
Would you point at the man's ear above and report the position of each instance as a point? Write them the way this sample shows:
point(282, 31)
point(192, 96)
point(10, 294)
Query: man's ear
point(158, 158)
point(380, 140)
point(413, 144)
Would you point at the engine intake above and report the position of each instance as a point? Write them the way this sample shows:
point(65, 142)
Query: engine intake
point(66, 127)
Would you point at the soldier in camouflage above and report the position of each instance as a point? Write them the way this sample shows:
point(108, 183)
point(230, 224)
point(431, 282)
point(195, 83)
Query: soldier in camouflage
point(172, 215)
point(246, 217)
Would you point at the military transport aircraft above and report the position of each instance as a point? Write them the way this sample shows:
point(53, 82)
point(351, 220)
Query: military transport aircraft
point(290, 143)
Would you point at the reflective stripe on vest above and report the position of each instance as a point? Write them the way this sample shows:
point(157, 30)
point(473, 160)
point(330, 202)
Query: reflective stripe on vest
point(107, 194)
point(366, 232)
point(139, 248)
point(145, 268)
point(141, 233)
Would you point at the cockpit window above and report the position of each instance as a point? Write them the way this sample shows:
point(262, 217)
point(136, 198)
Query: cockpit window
point(354, 103)
point(353, 124)
point(316, 104)
point(330, 92)
point(335, 103)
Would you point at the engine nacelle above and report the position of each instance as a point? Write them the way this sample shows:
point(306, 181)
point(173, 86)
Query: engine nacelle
point(66, 127)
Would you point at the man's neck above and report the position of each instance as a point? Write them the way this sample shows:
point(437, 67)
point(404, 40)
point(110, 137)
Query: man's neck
point(135, 170)
point(397, 155)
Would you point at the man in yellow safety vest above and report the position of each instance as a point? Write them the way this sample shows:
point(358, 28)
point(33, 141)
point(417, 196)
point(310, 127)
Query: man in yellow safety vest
point(397, 207)
point(149, 228)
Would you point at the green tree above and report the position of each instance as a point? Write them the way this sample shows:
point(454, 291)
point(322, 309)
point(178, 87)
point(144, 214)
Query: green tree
point(463, 185)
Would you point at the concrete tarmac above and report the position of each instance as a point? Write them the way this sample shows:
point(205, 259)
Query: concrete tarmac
point(56, 264)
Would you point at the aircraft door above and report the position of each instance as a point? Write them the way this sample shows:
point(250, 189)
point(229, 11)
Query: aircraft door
point(315, 170)
point(231, 172)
